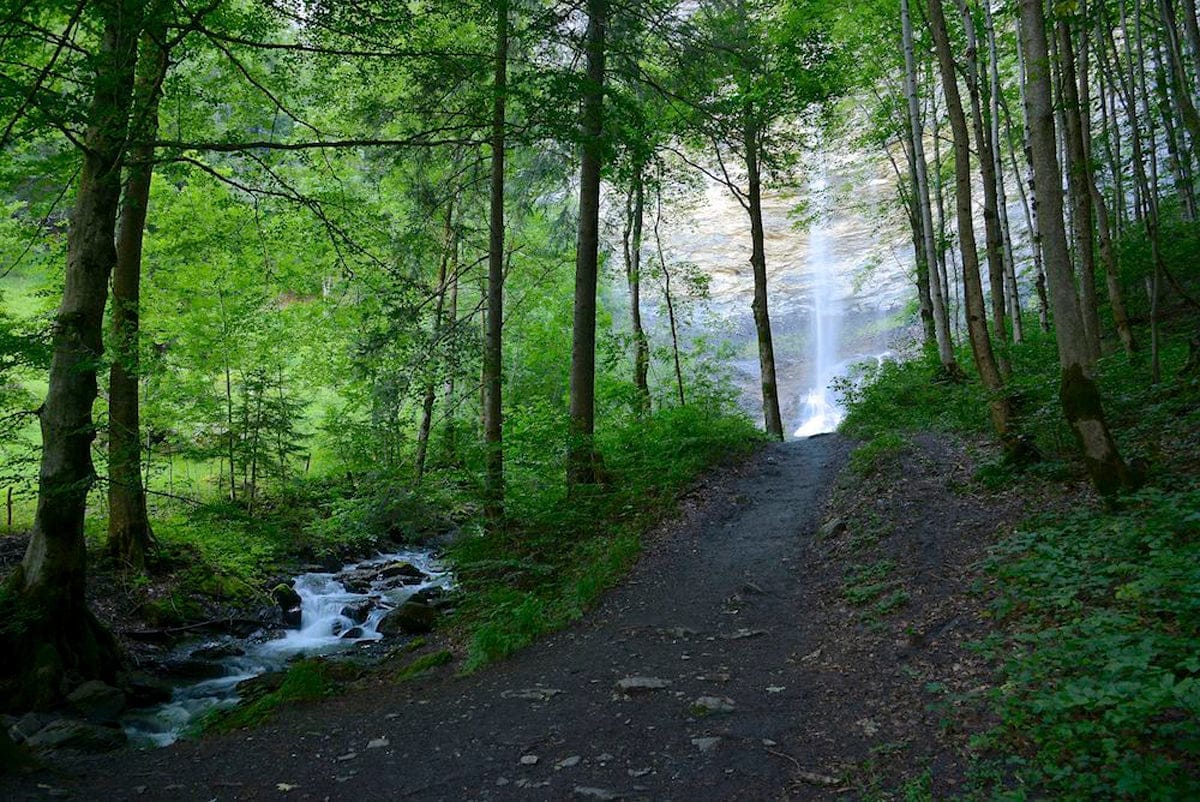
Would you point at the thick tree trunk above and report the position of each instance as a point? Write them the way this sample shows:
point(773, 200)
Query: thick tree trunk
point(581, 456)
point(1036, 230)
point(1078, 170)
point(635, 220)
point(939, 297)
point(981, 344)
point(129, 533)
point(493, 423)
point(59, 639)
point(448, 246)
point(1080, 396)
point(758, 262)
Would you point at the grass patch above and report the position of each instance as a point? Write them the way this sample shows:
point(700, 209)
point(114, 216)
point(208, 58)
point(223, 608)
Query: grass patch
point(872, 456)
point(420, 666)
point(304, 681)
point(558, 556)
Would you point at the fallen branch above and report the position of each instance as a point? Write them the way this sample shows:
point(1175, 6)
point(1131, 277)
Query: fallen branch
point(169, 632)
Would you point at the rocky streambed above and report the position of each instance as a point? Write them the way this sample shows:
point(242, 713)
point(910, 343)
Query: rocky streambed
point(350, 611)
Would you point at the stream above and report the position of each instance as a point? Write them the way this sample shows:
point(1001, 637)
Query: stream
point(339, 612)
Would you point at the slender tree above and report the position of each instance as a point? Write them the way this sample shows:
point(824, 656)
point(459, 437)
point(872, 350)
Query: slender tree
point(1079, 394)
point(493, 424)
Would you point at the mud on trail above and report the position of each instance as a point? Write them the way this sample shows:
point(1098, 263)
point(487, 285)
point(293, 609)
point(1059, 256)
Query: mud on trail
point(792, 636)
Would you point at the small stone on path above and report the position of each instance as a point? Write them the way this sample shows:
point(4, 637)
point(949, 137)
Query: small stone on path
point(706, 744)
point(531, 694)
point(377, 743)
point(347, 756)
point(712, 705)
point(630, 685)
point(602, 794)
point(529, 760)
point(568, 762)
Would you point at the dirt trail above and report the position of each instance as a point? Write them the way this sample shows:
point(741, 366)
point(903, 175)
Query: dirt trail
point(738, 602)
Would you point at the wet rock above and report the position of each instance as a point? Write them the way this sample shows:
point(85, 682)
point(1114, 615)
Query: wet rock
point(359, 611)
point(28, 725)
point(353, 633)
point(358, 580)
point(218, 651)
point(712, 705)
point(289, 602)
point(144, 690)
point(435, 597)
point(405, 570)
point(193, 669)
point(97, 702)
point(410, 618)
point(82, 736)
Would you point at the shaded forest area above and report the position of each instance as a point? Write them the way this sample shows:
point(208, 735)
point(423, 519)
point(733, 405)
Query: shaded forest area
point(284, 283)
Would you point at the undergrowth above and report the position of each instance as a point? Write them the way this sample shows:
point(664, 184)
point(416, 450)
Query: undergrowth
point(554, 560)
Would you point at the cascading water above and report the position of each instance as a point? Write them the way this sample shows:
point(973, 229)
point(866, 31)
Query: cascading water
point(822, 413)
point(324, 629)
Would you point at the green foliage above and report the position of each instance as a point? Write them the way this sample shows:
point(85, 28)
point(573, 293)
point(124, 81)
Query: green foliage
point(872, 456)
point(556, 558)
point(304, 681)
point(422, 665)
point(1102, 688)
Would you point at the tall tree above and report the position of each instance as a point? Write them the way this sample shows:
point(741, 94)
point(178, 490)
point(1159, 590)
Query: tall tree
point(129, 533)
point(493, 423)
point(61, 637)
point(1079, 393)
point(581, 456)
point(977, 329)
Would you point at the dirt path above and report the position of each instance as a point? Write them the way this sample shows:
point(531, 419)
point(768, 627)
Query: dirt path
point(739, 602)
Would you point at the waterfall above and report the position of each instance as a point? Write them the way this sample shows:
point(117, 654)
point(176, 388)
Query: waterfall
point(822, 413)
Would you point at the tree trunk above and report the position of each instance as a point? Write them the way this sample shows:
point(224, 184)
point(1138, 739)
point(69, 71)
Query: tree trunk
point(448, 245)
point(758, 261)
point(52, 636)
point(1011, 291)
point(981, 344)
point(451, 433)
point(1079, 394)
point(938, 295)
point(666, 270)
point(1183, 92)
point(1036, 229)
point(987, 172)
point(1078, 170)
point(581, 456)
point(635, 219)
point(493, 424)
point(129, 533)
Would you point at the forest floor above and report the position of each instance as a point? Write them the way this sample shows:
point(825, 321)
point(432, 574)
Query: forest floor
point(801, 631)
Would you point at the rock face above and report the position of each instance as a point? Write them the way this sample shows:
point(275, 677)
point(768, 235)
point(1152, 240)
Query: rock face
point(403, 570)
point(410, 618)
point(81, 736)
point(97, 702)
point(358, 611)
point(289, 602)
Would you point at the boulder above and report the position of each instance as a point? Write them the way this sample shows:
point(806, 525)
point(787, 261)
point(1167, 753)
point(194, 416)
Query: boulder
point(97, 702)
point(353, 633)
point(289, 602)
point(28, 725)
point(406, 572)
point(358, 581)
point(144, 690)
point(82, 736)
point(193, 669)
point(410, 618)
point(358, 611)
point(436, 597)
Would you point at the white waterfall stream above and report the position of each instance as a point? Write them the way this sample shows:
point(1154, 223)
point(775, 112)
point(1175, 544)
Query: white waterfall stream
point(324, 629)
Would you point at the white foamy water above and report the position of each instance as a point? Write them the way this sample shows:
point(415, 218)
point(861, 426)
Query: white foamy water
point(323, 630)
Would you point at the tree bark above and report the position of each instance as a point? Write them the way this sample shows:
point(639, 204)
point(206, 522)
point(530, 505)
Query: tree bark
point(666, 270)
point(977, 331)
point(1078, 170)
point(937, 291)
point(758, 262)
point(493, 424)
point(60, 638)
point(448, 245)
point(1079, 394)
point(635, 219)
point(129, 532)
point(987, 171)
point(1036, 230)
point(581, 456)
